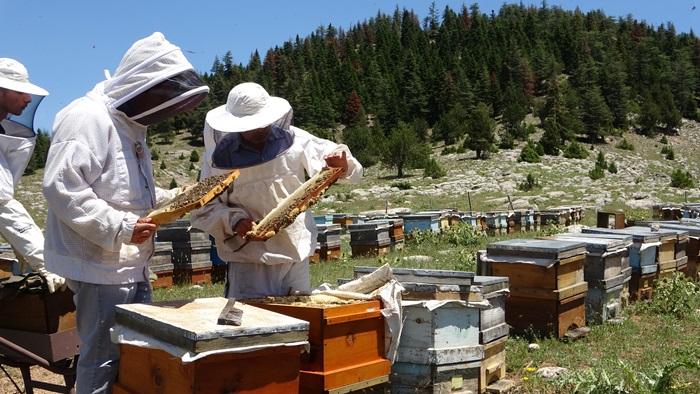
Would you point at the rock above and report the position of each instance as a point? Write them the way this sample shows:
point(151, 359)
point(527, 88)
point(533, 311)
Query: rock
point(551, 372)
point(533, 346)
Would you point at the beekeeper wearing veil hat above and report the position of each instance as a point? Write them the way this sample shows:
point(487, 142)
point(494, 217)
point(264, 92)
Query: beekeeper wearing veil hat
point(253, 132)
point(99, 186)
point(19, 99)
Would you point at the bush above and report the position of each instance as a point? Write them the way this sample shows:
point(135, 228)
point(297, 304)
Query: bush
point(612, 168)
point(462, 234)
point(677, 296)
point(402, 185)
point(529, 154)
point(173, 183)
point(668, 151)
point(162, 165)
point(433, 169)
point(575, 151)
point(194, 156)
point(625, 145)
point(453, 149)
point(529, 183)
point(596, 173)
point(155, 155)
point(682, 179)
point(664, 140)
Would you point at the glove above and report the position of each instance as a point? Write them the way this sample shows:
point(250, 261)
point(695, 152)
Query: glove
point(54, 281)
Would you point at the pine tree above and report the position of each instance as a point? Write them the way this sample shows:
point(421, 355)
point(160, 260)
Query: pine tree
point(403, 150)
point(480, 131)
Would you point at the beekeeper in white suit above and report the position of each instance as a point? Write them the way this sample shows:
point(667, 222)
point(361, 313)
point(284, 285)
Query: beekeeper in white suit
point(99, 186)
point(18, 101)
point(252, 132)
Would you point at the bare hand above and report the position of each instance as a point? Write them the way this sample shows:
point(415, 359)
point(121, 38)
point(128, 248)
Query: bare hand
point(337, 159)
point(246, 225)
point(143, 230)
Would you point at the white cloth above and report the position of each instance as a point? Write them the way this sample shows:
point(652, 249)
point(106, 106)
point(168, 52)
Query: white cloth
point(258, 190)
point(98, 179)
point(15, 152)
point(379, 284)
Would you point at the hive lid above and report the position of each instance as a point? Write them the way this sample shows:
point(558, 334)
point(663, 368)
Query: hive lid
point(192, 324)
point(679, 227)
point(596, 244)
point(536, 248)
point(638, 233)
point(415, 275)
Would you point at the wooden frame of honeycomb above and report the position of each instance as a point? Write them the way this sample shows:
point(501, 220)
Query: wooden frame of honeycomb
point(195, 196)
point(304, 197)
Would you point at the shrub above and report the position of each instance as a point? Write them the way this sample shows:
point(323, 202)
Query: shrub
point(664, 140)
point(181, 157)
point(462, 234)
point(194, 156)
point(668, 151)
point(529, 154)
point(682, 179)
point(191, 166)
point(402, 185)
point(162, 165)
point(173, 183)
point(678, 296)
point(625, 145)
point(529, 183)
point(575, 151)
point(596, 173)
point(155, 155)
point(612, 168)
point(452, 149)
point(433, 169)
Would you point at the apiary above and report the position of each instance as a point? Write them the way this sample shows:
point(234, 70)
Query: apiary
point(215, 358)
point(346, 342)
point(546, 282)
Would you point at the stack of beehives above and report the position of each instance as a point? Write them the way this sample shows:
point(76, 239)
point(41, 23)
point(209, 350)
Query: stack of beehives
point(547, 286)
point(191, 252)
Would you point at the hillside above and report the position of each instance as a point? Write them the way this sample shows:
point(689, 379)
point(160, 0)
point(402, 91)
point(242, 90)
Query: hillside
point(642, 180)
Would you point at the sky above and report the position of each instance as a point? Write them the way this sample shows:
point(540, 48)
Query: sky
point(67, 45)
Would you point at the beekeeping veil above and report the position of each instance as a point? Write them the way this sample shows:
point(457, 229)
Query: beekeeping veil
point(154, 82)
point(248, 107)
point(17, 142)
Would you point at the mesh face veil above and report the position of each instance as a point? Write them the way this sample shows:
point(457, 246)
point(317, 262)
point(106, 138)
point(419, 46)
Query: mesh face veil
point(168, 98)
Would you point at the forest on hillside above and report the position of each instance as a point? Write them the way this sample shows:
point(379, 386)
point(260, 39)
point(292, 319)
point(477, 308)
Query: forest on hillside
point(472, 79)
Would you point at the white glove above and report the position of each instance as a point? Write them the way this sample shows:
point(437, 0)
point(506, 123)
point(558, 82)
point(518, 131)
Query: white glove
point(54, 281)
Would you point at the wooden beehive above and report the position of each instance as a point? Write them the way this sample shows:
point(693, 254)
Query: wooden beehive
point(493, 367)
point(444, 333)
point(641, 285)
point(492, 320)
point(243, 355)
point(643, 252)
point(346, 342)
point(43, 312)
point(547, 287)
point(426, 221)
point(164, 276)
point(416, 378)
point(605, 257)
point(604, 299)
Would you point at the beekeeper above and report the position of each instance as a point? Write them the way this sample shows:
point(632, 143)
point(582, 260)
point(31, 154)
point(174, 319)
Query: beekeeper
point(19, 100)
point(252, 132)
point(99, 186)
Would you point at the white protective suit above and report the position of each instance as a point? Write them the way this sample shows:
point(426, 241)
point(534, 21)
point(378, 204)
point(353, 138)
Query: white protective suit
point(257, 191)
point(16, 147)
point(99, 180)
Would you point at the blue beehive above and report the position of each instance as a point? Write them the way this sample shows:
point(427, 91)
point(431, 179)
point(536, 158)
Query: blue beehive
point(421, 221)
